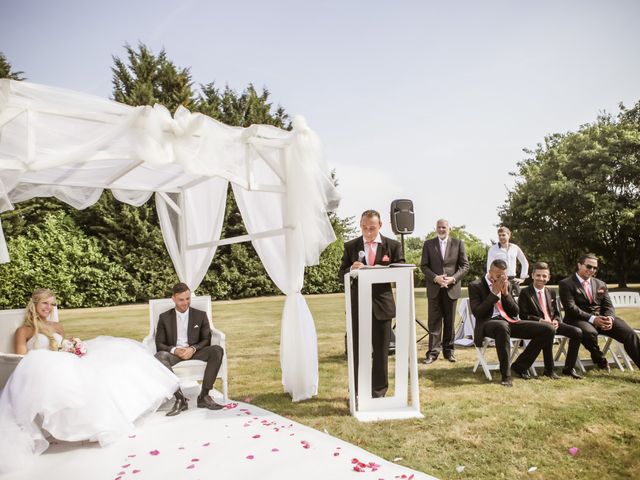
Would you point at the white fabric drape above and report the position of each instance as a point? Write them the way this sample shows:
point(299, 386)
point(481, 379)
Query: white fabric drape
point(283, 258)
point(200, 221)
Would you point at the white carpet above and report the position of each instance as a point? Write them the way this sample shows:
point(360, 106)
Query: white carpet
point(240, 442)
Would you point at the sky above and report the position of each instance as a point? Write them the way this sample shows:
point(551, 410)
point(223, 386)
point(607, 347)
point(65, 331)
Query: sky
point(424, 100)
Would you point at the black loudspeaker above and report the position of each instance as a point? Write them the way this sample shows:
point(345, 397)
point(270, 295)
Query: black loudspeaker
point(402, 221)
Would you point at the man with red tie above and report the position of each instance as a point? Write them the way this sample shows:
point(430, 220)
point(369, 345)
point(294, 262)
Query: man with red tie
point(587, 305)
point(496, 314)
point(538, 303)
point(373, 249)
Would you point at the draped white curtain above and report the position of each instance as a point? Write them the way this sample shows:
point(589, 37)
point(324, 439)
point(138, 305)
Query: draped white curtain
point(200, 221)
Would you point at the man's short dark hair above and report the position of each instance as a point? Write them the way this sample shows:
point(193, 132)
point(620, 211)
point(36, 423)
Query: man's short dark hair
point(591, 256)
point(541, 266)
point(180, 288)
point(499, 263)
point(369, 214)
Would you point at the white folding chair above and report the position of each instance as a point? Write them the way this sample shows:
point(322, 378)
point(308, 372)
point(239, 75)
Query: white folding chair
point(10, 321)
point(189, 371)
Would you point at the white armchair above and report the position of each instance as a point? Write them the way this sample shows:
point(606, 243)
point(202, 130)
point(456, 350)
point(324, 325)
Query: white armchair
point(10, 320)
point(189, 371)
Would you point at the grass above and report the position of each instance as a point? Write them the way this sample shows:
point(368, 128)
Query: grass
point(495, 433)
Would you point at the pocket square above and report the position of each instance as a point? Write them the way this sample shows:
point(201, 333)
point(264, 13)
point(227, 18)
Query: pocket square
point(196, 326)
point(385, 258)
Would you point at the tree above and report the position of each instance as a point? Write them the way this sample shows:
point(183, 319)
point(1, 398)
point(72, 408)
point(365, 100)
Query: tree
point(5, 70)
point(580, 192)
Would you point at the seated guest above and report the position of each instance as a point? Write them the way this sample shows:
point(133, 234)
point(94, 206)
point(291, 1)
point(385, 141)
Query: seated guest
point(93, 394)
point(496, 314)
point(538, 303)
point(587, 306)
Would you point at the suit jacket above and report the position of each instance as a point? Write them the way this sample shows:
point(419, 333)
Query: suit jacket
point(198, 330)
point(576, 302)
point(482, 301)
point(389, 251)
point(455, 264)
point(530, 308)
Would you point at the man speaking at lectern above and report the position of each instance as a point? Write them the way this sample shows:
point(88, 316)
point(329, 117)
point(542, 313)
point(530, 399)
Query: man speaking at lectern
point(373, 249)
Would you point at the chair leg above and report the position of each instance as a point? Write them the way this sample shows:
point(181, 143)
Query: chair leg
point(482, 361)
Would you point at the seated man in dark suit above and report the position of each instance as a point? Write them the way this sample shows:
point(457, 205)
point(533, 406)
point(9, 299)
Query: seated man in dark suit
point(496, 314)
point(538, 303)
point(587, 305)
point(184, 333)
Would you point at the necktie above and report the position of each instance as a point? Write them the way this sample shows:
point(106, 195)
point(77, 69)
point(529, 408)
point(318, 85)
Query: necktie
point(543, 306)
point(587, 288)
point(503, 314)
point(371, 259)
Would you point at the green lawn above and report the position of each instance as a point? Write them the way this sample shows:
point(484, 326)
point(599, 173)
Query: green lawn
point(492, 431)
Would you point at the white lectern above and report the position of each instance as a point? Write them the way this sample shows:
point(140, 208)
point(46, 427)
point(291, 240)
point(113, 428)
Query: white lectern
point(397, 406)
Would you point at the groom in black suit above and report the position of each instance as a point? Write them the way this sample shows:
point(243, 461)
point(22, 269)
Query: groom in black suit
point(184, 333)
point(444, 263)
point(373, 249)
point(587, 305)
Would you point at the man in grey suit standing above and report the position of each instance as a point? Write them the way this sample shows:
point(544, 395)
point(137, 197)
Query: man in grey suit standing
point(444, 263)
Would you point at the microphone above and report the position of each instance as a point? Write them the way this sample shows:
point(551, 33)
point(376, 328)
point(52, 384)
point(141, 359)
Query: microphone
point(361, 256)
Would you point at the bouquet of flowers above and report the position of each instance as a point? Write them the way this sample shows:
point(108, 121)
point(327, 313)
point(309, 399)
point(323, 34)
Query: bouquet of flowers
point(73, 345)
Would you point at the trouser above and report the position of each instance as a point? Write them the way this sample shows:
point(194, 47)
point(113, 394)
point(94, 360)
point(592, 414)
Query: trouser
point(211, 354)
point(620, 331)
point(540, 333)
point(574, 334)
point(440, 321)
point(380, 335)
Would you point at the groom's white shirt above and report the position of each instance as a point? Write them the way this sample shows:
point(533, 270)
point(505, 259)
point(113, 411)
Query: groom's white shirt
point(182, 323)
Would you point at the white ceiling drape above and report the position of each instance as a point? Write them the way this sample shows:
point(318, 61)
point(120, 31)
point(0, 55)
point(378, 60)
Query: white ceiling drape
point(72, 146)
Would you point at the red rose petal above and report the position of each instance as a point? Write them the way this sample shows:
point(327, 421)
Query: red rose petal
point(135, 471)
point(191, 466)
point(154, 452)
point(195, 459)
point(206, 444)
point(118, 478)
point(275, 450)
point(354, 460)
point(126, 466)
point(335, 454)
point(121, 473)
point(250, 457)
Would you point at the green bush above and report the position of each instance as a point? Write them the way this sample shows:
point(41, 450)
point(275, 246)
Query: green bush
point(56, 254)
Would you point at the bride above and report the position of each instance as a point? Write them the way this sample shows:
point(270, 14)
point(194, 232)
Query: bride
point(95, 397)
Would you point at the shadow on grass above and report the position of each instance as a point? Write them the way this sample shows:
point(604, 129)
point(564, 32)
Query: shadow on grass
point(312, 408)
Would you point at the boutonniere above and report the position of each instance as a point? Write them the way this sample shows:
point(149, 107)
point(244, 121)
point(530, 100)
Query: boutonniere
point(601, 292)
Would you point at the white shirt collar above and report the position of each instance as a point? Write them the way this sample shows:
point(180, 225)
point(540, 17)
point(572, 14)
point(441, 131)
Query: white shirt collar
point(378, 239)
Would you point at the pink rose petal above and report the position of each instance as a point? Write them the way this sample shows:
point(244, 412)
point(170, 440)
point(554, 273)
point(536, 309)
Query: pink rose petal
point(121, 473)
point(126, 466)
point(191, 466)
point(335, 454)
point(275, 450)
point(195, 459)
point(247, 399)
point(573, 451)
point(132, 455)
point(132, 436)
point(154, 452)
point(256, 436)
point(135, 471)
point(206, 444)
point(118, 478)
point(250, 457)
point(180, 448)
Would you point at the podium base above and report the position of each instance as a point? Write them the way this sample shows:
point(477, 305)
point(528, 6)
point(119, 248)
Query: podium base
point(402, 413)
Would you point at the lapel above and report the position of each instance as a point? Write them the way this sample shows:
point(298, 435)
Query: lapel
point(358, 247)
point(173, 327)
point(190, 323)
point(447, 249)
point(534, 299)
point(436, 248)
point(380, 251)
point(549, 300)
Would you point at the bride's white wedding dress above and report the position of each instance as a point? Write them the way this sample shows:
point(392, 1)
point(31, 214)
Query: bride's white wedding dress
point(96, 397)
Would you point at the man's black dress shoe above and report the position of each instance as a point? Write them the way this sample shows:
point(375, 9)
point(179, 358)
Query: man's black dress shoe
point(551, 374)
point(572, 373)
point(604, 365)
point(179, 406)
point(430, 359)
point(506, 382)
point(207, 402)
point(523, 375)
point(451, 358)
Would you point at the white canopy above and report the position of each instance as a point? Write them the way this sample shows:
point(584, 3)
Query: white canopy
point(72, 146)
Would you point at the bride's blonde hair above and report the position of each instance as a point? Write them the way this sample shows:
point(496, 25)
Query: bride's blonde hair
point(33, 320)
